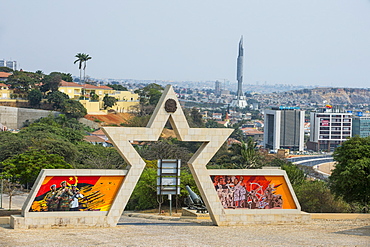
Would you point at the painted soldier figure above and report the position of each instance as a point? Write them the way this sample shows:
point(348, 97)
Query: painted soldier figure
point(64, 197)
point(50, 198)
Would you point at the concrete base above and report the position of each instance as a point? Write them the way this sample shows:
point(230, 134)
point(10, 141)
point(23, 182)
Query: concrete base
point(261, 218)
point(340, 216)
point(192, 214)
point(5, 220)
point(20, 222)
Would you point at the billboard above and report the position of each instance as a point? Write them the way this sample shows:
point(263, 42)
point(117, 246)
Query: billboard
point(253, 192)
point(76, 193)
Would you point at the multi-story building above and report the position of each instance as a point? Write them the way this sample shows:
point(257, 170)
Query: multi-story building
point(126, 100)
point(329, 128)
point(361, 125)
point(284, 129)
point(217, 88)
point(10, 64)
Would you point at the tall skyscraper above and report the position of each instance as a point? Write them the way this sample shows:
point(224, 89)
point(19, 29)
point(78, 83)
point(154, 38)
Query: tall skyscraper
point(284, 129)
point(240, 100)
point(217, 88)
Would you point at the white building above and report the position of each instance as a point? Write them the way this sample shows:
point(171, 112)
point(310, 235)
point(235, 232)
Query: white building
point(10, 64)
point(329, 128)
point(284, 129)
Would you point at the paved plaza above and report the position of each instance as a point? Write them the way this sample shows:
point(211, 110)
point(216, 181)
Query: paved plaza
point(133, 231)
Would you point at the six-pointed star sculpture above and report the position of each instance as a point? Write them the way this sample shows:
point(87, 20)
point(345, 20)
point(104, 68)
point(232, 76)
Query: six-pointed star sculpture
point(168, 108)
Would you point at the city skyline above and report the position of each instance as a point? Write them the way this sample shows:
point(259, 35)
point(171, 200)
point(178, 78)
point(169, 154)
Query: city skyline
point(285, 42)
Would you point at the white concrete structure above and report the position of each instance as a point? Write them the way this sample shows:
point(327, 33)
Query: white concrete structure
point(168, 109)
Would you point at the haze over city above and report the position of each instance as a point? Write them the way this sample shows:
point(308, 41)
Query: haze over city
point(304, 42)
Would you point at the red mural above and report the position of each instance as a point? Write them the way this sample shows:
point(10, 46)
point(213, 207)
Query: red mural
point(76, 193)
point(253, 192)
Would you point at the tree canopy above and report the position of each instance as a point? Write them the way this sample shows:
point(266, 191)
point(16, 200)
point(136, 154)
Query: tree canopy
point(351, 176)
point(117, 87)
point(24, 168)
point(51, 82)
point(34, 97)
point(22, 82)
point(109, 101)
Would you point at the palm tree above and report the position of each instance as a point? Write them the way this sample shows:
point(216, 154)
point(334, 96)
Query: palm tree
point(86, 58)
point(82, 59)
point(250, 155)
point(79, 59)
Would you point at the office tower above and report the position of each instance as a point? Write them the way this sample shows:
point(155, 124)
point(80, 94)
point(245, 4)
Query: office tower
point(361, 125)
point(284, 128)
point(329, 128)
point(217, 88)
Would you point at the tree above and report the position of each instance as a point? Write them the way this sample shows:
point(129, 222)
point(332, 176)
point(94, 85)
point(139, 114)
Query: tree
point(109, 101)
point(213, 124)
point(22, 82)
point(99, 157)
point(117, 87)
point(250, 155)
point(73, 109)
point(196, 119)
point(51, 83)
point(296, 175)
point(315, 197)
point(94, 97)
point(34, 97)
point(57, 98)
point(24, 168)
point(351, 175)
point(165, 150)
point(82, 58)
point(64, 76)
point(11, 144)
point(150, 94)
point(5, 69)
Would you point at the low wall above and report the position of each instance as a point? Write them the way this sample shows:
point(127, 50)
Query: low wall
point(13, 117)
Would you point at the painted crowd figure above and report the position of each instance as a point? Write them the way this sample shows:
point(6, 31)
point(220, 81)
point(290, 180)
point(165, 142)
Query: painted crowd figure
point(233, 193)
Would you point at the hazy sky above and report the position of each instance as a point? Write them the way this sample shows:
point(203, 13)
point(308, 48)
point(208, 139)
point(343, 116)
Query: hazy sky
point(316, 42)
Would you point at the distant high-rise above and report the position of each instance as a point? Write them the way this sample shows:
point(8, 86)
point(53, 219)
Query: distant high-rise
point(10, 64)
point(284, 129)
point(240, 100)
point(217, 88)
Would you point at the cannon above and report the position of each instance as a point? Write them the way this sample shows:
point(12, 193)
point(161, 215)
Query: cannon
point(194, 202)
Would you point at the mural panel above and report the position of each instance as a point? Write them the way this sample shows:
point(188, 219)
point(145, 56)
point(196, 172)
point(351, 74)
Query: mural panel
point(253, 192)
point(76, 193)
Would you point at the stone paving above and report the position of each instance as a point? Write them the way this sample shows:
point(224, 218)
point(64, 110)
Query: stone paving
point(133, 231)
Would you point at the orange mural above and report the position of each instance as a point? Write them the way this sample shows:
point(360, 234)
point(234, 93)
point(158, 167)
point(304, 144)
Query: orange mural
point(76, 193)
point(253, 192)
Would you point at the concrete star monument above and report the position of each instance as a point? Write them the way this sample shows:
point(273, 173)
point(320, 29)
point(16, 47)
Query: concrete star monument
point(260, 196)
point(168, 108)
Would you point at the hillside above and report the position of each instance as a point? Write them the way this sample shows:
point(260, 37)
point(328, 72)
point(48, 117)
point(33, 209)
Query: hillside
point(110, 119)
point(333, 96)
point(117, 119)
